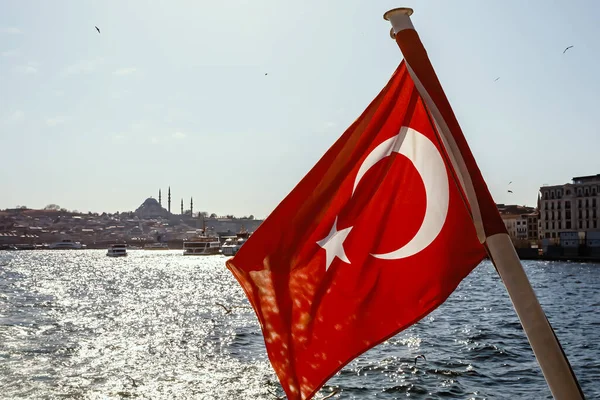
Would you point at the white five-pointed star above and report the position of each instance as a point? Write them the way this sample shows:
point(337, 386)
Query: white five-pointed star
point(334, 245)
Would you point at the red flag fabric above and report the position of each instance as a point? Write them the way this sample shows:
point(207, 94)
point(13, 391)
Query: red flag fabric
point(376, 236)
point(484, 212)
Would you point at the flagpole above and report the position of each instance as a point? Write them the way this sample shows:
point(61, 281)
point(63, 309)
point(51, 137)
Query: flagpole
point(553, 362)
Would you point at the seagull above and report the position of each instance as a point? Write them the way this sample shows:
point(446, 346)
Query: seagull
point(510, 191)
point(97, 29)
point(330, 395)
point(496, 79)
point(274, 395)
point(266, 73)
point(565, 50)
point(419, 356)
point(509, 182)
point(227, 310)
point(132, 381)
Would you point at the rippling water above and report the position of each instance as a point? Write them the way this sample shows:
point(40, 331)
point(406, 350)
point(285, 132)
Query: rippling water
point(78, 324)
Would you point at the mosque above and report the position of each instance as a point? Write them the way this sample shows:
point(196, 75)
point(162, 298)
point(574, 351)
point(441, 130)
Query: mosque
point(151, 208)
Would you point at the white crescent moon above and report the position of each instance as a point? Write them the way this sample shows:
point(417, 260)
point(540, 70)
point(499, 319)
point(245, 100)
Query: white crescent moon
point(430, 165)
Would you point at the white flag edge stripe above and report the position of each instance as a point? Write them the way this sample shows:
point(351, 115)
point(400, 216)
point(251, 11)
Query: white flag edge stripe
point(456, 159)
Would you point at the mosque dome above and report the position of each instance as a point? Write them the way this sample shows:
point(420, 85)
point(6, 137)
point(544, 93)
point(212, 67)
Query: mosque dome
point(151, 208)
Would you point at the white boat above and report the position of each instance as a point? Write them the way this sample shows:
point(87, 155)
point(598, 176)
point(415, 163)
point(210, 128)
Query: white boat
point(156, 246)
point(117, 250)
point(202, 246)
point(233, 244)
point(65, 244)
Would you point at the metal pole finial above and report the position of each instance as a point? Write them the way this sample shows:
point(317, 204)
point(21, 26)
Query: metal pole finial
point(404, 11)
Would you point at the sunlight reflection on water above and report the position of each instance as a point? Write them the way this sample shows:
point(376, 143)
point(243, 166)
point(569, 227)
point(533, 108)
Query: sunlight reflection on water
point(78, 324)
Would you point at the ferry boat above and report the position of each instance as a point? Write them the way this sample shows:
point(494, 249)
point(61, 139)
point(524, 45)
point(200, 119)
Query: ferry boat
point(65, 244)
point(156, 246)
point(202, 246)
point(233, 244)
point(117, 250)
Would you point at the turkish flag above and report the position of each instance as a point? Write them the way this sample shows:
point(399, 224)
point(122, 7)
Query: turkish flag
point(377, 235)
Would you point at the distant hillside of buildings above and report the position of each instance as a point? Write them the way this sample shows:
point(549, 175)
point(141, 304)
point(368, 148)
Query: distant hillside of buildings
point(150, 222)
point(566, 216)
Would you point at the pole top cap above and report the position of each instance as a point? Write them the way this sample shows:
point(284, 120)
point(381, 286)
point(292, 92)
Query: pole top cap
point(401, 10)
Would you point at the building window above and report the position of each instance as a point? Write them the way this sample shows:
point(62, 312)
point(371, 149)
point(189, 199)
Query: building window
point(580, 225)
point(587, 203)
point(552, 206)
point(568, 192)
point(545, 195)
point(545, 206)
point(587, 224)
point(546, 225)
point(567, 205)
point(587, 191)
point(594, 202)
point(553, 225)
point(559, 225)
point(579, 202)
point(568, 214)
point(558, 205)
point(553, 235)
point(568, 225)
point(580, 214)
point(595, 224)
point(552, 194)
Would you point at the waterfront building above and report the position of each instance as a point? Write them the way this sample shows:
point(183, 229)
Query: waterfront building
point(572, 207)
point(521, 222)
point(533, 226)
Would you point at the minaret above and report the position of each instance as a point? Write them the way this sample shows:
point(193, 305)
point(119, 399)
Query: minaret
point(169, 199)
point(181, 206)
point(191, 206)
point(159, 198)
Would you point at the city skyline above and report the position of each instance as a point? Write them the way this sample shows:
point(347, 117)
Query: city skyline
point(186, 206)
point(98, 121)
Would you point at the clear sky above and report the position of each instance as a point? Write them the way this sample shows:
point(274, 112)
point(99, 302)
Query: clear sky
point(175, 93)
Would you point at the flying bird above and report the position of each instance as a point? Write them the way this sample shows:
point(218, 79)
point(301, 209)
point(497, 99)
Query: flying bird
point(496, 79)
point(227, 310)
point(97, 29)
point(419, 356)
point(274, 395)
point(133, 382)
point(565, 50)
point(510, 191)
point(265, 74)
point(509, 182)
